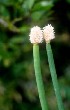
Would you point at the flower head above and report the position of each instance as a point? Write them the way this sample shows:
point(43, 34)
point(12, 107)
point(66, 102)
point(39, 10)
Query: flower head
point(36, 35)
point(48, 33)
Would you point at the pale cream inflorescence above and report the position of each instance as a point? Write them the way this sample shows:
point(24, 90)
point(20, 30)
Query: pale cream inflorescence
point(48, 33)
point(36, 35)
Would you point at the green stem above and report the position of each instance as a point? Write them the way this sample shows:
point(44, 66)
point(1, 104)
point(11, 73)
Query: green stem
point(54, 76)
point(38, 76)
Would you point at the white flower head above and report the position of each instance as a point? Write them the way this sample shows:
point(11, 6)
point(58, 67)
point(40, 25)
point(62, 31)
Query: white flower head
point(48, 32)
point(36, 35)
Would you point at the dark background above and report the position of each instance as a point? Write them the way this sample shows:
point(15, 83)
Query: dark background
point(18, 89)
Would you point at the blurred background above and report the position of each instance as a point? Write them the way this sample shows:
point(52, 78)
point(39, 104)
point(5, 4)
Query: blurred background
point(18, 90)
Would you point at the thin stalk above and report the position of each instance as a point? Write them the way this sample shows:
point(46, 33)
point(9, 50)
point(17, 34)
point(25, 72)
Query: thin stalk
point(38, 76)
point(54, 76)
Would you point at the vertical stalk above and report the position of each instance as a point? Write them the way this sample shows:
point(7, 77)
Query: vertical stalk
point(54, 76)
point(38, 76)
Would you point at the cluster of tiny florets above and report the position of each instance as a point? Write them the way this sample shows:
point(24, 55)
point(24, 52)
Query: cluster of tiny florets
point(37, 35)
point(48, 33)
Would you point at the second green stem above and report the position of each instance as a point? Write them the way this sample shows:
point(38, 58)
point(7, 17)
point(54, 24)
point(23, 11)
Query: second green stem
point(54, 76)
